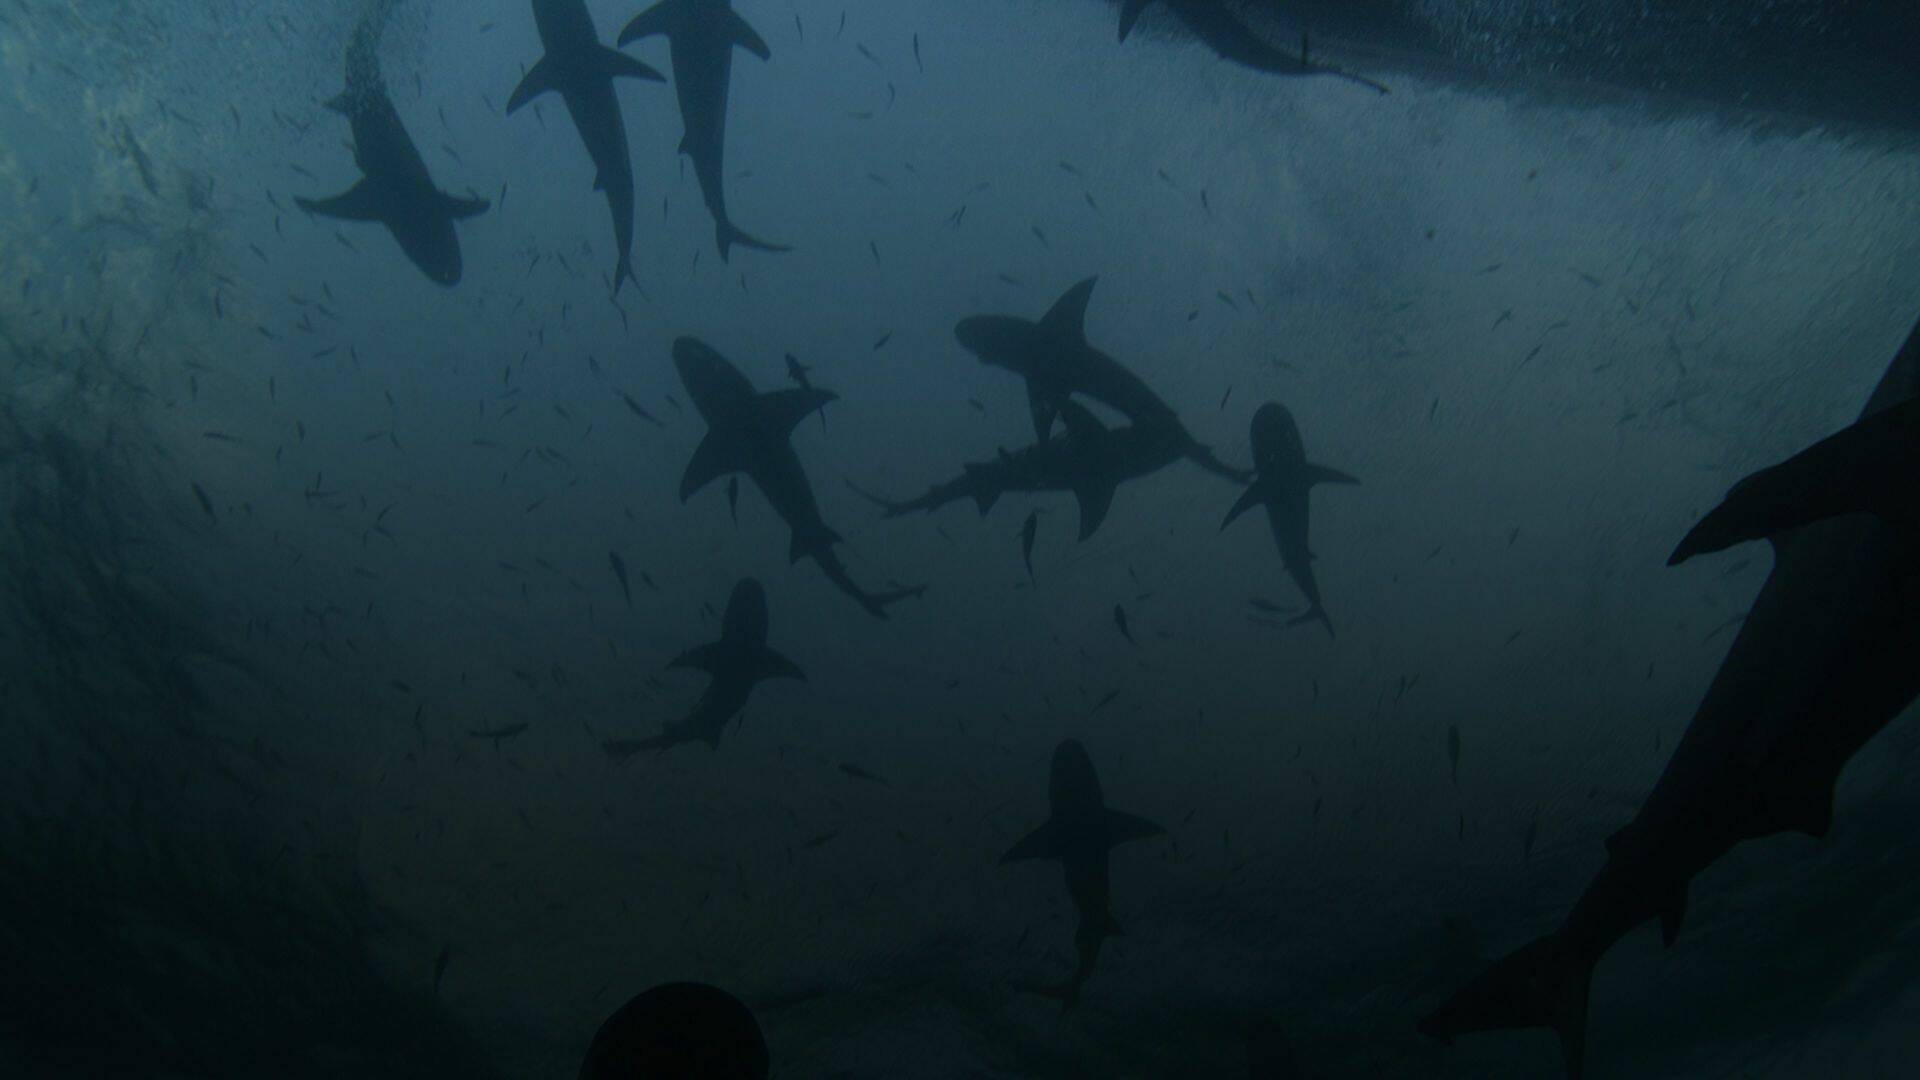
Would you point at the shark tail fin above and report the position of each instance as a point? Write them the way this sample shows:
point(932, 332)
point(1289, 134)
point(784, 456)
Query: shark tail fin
point(1130, 14)
point(1316, 613)
point(1542, 984)
point(729, 234)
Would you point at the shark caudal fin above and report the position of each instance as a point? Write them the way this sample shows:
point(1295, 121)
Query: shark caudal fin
point(623, 272)
point(729, 234)
point(1541, 985)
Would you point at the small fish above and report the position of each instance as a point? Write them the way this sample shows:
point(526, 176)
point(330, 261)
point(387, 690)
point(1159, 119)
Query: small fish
point(218, 436)
point(1042, 237)
point(1453, 752)
point(206, 504)
point(499, 733)
point(635, 408)
point(620, 571)
point(1225, 396)
point(918, 66)
point(859, 773)
point(821, 840)
point(1120, 620)
point(440, 966)
point(1104, 702)
point(882, 343)
point(1027, 533)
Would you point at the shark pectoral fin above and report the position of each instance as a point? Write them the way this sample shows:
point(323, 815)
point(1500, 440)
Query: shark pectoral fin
point(1320, 474)
point(743, 36)
point(538, 80)
point(361, 202)
point(1542, 984)
point(1080, 422)
point(768, 664)
point(1673, 915)
point(711, 460)
point(985, 493)
point(1095, 500)
point(1043, 407)
point(1249, 499)
point(788, 407)
point(1130, 14)
point(661, 18)
point(621, 66)
point(1068, 316)
point(460, 209)
point(705, 658)
point(1042, 843)
point(1124, 827)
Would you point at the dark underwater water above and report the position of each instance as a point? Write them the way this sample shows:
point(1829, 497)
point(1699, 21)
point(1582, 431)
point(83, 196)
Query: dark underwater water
point(1546, 300)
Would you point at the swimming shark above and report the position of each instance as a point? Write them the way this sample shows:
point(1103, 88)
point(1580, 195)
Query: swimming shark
point(1284, 479)
point(1053, 356)
point(1090, 460)
point(1230, 39)
point(702, 35)
point(581, 70)
point(679, 1029)
point(737, 662)
point(1823, 662)
point(1081, 832)
point(395, 188)
point(751, 433)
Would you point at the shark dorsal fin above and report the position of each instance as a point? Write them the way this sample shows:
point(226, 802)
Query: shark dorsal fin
point(1068, 316)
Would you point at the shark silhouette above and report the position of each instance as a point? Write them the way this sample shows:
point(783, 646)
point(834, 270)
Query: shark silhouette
point(679, 1029)
point(1232, 40)
point(737, 662)
point(1284, 480)
point(1080, 832)
point(751, 433)
point(702, 35)
point(1056, 361)
point(581, 70)
point(395, 188)
point(1824, 661)
point(1090, 461)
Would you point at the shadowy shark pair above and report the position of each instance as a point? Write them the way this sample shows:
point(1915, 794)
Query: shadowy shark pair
point(1081, 832)
point(1232, 40)
point(1827, 657)
point(703, 34)
point(1090, 460)
point(750, 432)
point(1055, 359)
point(737, 662)
point(395, 188)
